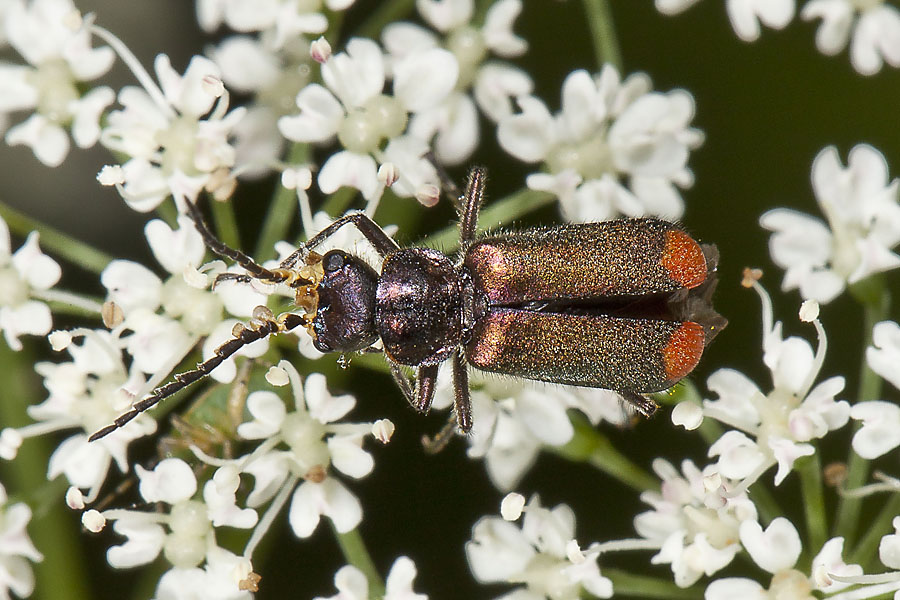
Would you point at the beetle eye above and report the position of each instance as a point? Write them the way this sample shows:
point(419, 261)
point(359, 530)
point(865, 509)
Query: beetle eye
point(333, 261)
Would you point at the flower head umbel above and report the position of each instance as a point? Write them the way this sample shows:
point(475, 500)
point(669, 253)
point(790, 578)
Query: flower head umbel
point(302, 445)
point(184, 533)
point(16, 549)
point(49, 35)
point(370, 124)
point(615, 148)
point(694, 522)
point(488, 84)
point(542, 555)
point(176, 136)
point(84, 394)
point(860, 204)
point(24, 275)
point(775, 427)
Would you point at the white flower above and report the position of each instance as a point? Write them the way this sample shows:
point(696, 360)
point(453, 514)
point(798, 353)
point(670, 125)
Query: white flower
point(16, 549)
point(695, 527)
point(776, 549)
point(880, 431)
point(537, 555)
point(454, 123)
point(774, 428)
point(354, 108)
point(176, 137)
point(863, 214)
point(23, 275)
point(85, 394)
point(745, 15)
point(184, 534)
point(513, 419)
point(615, 148)
point(889, 547)
point(874, 25)
point(61, 59)
point(281, 20)
point(315, 442)
point(351, 583)
point(216, 580)
point(884, 355)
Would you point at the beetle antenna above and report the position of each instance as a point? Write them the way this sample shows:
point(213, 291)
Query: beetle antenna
point(262, 326)
point(256, 270)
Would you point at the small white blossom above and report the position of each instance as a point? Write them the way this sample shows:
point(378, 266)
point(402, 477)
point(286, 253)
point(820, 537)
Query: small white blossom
point(175, 138)
point(884, 354)
point(314, 443)
point(60, 60)
point(861, 206)
point(880, 431)
point(24, 275)
point(16, 549)
point(536, 555)
point(874, 26)
point(615, 148)
point(353, 107)
point(513, 419)
point(889, 547)
point(745, 15)
point(695, 528)
point(351, 583)
point(281, 20)
point(454, 123)
point(775, 427)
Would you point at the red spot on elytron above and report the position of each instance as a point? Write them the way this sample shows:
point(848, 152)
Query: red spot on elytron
point(684, 349)
point(683, 258)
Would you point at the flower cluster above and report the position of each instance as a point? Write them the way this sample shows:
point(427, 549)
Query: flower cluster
point(871, 27)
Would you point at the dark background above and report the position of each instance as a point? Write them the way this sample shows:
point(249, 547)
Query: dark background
point(767, 108)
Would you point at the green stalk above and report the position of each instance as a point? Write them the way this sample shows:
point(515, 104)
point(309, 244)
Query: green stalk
point(765, 503)
point(356, 554)
point(810, 471)
point(876, 302)
point(864, 552)
point(590, 446)
point(387, 12)
point(225, 223)
point(55, 241)
point(52, 528)
point(282, 209)
point(501, 212)
point(645, 586)
point(603, 33)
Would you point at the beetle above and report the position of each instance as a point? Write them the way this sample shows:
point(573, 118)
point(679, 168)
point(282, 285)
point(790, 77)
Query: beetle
point(623, 305)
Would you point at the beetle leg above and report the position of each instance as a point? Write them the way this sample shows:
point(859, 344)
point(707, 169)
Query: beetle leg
point(425, 384)
point(433, 445)
point(463, 406)
point(472, 200)
point(644, 405)
point(402, 382)
point(376, 236)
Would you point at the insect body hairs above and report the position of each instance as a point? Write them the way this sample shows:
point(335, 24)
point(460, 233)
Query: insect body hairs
point(623, 305)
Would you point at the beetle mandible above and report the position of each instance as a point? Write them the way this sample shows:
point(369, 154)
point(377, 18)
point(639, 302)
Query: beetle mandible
point(622, 305)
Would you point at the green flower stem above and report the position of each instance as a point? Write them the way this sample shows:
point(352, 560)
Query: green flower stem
point(52, 528)
point(603, 33)
point(876, 302)
point(55, 241)
point(387, 12)
point(225, 223)
point(282, 209)
point(864, 552)
point(590, 446)
point(501, 212)
point(356, 554)
point(644, 586)
point(168, 213)
point(810, 471)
